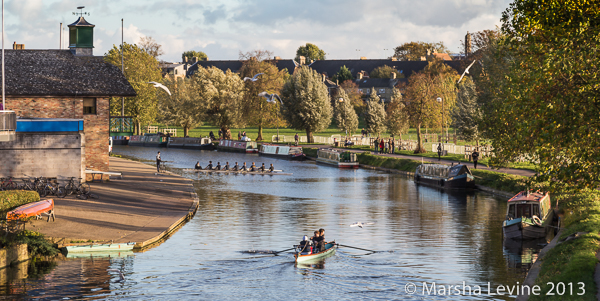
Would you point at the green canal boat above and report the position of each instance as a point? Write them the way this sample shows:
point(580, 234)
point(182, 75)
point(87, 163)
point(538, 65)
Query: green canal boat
point(529, 216)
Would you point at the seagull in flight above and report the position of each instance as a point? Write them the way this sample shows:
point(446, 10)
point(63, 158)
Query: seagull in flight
point(360, 224)
point(255, 78)
point(466, 71)
point(270, 97)
point(159, 85)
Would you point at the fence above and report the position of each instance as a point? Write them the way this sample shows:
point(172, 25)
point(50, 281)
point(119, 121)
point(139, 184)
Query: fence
point(152, 129)
point(173, 132)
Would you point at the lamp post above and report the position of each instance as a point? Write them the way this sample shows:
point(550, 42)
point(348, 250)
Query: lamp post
point(439, 99)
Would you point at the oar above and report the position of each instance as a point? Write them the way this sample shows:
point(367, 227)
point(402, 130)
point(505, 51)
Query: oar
point(275, 253)
point(356, 248)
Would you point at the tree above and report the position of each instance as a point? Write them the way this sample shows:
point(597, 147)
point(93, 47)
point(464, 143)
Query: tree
point(151, 47)
point(182, 106)
point(375, 114)
point(257, 111)
point(311, 52)
point(547, 102)
point(344, 113)
point(467, 113)
point(193, 53)
point(140, 68)
point(422, 91)
point(306, 104)
point(385, 71)
point(343, 75)
point(397, 114)
point(413, 51)
point(220, 97)
point(351, 89)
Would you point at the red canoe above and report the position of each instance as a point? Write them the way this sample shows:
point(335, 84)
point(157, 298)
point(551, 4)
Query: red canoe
point(45, 207)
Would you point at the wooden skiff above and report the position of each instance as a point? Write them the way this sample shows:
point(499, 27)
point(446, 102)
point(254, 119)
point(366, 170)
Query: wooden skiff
point(305, 256)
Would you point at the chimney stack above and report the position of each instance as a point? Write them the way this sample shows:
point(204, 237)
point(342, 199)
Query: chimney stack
point(194, 60)
point(277, 58)
point(363, 58)
point(393, 75)
point(394, 58)
point(360, 75)
point(302, 60)
point(18, 46)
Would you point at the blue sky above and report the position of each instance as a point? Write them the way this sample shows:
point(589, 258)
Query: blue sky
point(345, 29)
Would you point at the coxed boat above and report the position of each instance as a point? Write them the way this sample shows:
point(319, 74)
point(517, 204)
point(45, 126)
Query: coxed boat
point(266, 173)
point(303, 255)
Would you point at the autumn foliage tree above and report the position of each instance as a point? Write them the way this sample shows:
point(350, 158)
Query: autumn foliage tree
point(375, 114)
point(397, 114)
point(182, 106)
point(413, 51)
point(344, 114)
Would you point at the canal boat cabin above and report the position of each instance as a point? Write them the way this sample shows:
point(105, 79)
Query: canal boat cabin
point(237, 146)
point(445, 176)
point(529, 216)
point(149, 140)
point(281, 151)
point(337, 158)
point(191, 143)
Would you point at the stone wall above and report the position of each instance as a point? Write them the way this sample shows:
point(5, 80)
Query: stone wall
point(95, 125)
point(13, 254)
point(44, 154)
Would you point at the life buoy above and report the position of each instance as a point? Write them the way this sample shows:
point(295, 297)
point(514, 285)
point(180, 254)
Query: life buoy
point(537, 220)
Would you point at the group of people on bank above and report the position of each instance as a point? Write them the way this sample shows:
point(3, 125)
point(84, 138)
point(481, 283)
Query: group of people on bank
point(384, 146)
point(235, 167)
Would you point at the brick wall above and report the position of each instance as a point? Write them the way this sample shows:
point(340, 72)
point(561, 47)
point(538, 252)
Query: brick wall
point(95, 125)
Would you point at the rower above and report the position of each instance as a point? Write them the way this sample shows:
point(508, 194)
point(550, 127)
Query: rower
point(315, 241)
point(209, 166)
point(236, 167)
point(253, 167)
point(305, 245)
point(322, 239)
point(197, 167)
point(226, 166)
point(262, 168)
point(218, 167)
point(272, 168)
point(244, 168)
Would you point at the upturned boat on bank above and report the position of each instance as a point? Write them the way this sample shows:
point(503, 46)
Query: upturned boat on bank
point(529, 216)
point(445, 176)
point(305, 254)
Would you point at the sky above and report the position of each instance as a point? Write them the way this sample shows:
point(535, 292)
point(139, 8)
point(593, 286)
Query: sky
point(347, 29)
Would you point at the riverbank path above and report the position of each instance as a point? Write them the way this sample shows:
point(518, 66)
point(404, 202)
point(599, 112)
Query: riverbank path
point(141, 207)
point(512, 171)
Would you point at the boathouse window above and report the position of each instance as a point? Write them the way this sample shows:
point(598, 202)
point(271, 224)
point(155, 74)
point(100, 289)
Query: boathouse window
point(89, 106)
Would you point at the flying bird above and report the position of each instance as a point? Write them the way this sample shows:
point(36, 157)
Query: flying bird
point(466, 72)
point(270, 97)
point(255, 78)
point(159, 85)
point(360, 224)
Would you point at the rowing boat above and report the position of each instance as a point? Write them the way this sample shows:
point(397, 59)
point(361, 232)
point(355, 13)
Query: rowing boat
point(37, 209)
point(306, 256)
point(266, 173)
point(101, 247)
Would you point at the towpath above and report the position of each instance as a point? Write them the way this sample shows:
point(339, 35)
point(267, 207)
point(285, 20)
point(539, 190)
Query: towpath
point(141, 207)
point(512, 171)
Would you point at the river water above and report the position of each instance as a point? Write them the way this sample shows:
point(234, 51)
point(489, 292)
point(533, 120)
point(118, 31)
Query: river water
point(420, 234)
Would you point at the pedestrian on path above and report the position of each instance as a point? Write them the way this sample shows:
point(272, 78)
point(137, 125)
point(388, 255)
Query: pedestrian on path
point(158, 162)
point(381, 145)
point(393, 145)
point(386, 147)
point(296, 138)
point(439, 152)
point(376, 144)
point(475, 156)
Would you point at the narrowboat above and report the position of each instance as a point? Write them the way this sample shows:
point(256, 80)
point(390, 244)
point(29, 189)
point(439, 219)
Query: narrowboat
point(128, 246)
point(120, 140)
point(337, 158)
point(305, 254)
point(149, 140)
point(529, 216)
point(237, 146)
point(281, 151)
point(445, 176)
point(191, 143)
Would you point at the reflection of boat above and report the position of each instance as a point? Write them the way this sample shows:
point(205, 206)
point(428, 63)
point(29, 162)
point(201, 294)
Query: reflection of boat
point(522, 253)
point(529, 216)
point(445, 176)
point(266, 173)
point(337, 158)
point(305, 255)
point(100, 254)
point(37, 209)
point(281, 151)
point(101, 247)
point(191, 143)
point(237, 146)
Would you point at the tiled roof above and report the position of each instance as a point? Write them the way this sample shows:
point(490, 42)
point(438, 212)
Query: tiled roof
point(378, 82)
point(235, 66)
point(81, 22)
point(405, 67)
point(60, 73)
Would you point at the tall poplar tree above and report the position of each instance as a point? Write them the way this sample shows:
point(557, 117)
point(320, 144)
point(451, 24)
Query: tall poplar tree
point(375, 114)
point(344, 113)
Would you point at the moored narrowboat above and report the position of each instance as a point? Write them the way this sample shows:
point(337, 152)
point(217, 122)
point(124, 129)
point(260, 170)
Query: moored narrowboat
point(237, 146)
point(281, 151)
point(528, 216)
point(149, 140)
point(191, 143)
point(340, 159)
point(445, 176)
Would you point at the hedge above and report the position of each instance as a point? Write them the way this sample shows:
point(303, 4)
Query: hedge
point(14, 198)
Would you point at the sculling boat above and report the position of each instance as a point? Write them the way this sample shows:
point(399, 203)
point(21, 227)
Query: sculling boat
point(266, 173)
point(101, 247)
point(528, 216)
point(304, 255)
point(37, 209)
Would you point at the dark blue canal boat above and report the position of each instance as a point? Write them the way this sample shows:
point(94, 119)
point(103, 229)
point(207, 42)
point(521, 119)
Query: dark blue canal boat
point(445, 176)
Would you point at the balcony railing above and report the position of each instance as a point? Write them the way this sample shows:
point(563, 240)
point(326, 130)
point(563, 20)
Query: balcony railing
point(120, 124)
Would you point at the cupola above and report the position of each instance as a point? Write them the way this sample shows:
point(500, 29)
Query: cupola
point(81, 37)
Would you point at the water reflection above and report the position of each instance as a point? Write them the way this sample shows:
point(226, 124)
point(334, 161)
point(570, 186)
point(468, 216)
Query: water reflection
point(424, 235)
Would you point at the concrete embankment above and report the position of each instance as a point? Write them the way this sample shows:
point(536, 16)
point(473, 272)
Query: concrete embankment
point(142, 207)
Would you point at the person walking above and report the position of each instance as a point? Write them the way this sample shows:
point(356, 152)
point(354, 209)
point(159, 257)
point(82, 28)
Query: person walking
point(475, 156)
point(296, 138)
point(393, 145)
point(381, 145)
point(376, 144)
point(387, 147)
point(158, 162)
point(239, 135)
point(439, 149)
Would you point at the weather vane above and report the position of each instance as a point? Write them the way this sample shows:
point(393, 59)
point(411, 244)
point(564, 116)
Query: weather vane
point(81, 13)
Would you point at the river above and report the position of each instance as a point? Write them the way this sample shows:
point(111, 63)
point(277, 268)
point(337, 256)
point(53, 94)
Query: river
point(420, 234)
